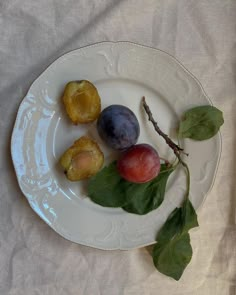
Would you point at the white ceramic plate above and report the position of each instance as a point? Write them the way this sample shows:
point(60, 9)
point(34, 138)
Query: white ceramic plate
point(122, 72)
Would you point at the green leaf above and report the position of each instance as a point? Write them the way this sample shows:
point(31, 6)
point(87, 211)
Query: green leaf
point(201, 123)
point(172, 226)
point(147, 196)
point(189, 216)
point(173, 250)
point(107, 188)
point(171, 258)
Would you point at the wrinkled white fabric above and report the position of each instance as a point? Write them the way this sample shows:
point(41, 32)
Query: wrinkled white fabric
point(202, 35)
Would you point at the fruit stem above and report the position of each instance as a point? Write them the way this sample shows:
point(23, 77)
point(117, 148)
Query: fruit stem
point(165, 161)
point(177, 150)
point(187, 179)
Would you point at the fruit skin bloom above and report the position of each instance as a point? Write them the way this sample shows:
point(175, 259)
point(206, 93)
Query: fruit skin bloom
point(118, 127)
point(139, 164)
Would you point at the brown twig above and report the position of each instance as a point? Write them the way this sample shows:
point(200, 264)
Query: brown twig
point(177, 150)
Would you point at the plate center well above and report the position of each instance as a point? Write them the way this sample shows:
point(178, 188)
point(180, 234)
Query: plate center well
point(117, 91)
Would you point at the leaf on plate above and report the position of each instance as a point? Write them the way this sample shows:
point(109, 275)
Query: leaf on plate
point(148, 196)
point(107, 188)
point(173, 250)
point(201, 123)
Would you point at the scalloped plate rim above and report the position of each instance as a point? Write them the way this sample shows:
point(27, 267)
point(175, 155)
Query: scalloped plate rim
point(64, 235)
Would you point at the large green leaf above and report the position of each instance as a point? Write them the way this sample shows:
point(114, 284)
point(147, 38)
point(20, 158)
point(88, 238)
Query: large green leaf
point(171, 227)
point(189, 216)
point(107, 188)
point(173, 250)
point(201, 123)
point(148, 196)
point(172, 257)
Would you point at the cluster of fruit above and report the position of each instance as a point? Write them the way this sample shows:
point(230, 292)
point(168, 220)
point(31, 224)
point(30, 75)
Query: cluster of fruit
point(117, 126)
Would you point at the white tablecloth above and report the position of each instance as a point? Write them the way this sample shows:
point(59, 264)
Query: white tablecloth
point(202, 35)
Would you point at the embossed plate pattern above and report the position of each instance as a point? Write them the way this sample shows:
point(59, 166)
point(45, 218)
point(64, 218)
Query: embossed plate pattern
point(122, 72)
